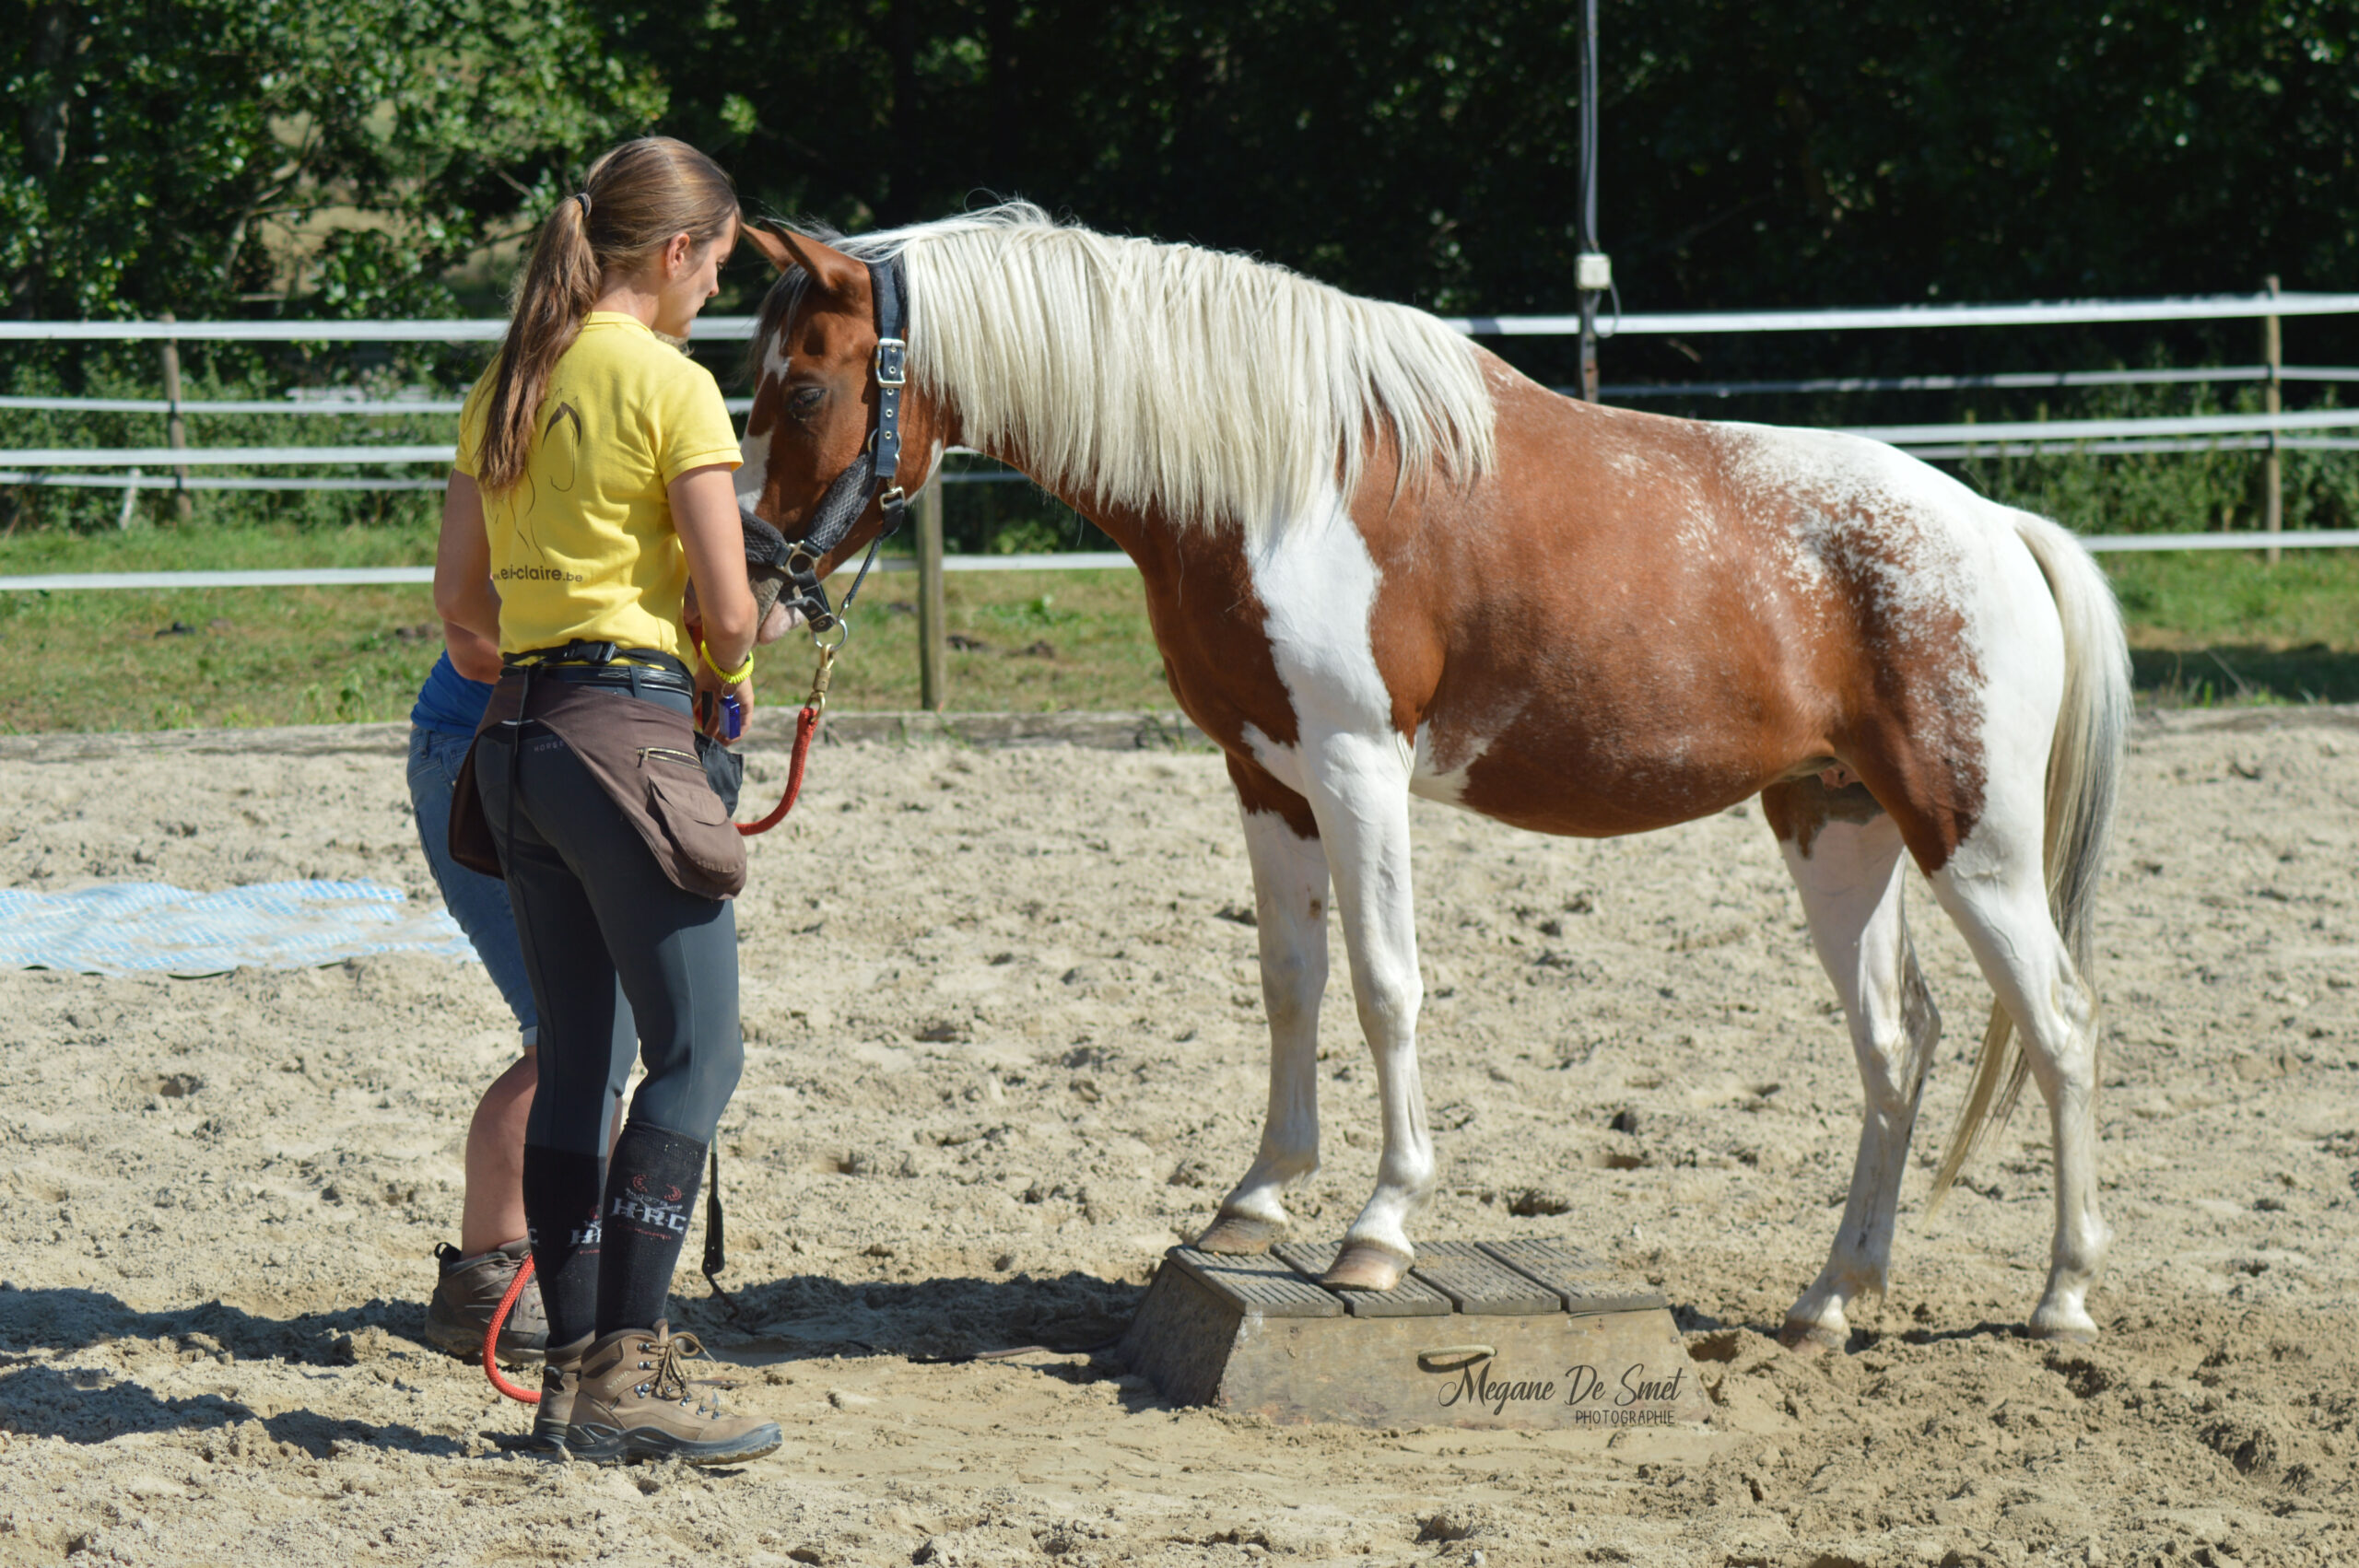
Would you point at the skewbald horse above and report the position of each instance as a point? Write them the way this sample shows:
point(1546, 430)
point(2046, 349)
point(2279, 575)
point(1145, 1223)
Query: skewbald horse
point(1381, 563)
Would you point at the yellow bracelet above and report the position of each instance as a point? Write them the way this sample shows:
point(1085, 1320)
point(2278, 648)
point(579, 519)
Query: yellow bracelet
point(729, 676)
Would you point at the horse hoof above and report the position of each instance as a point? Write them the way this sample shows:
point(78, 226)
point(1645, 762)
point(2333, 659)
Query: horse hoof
point(1363, 1265)
point(1809, 1338)
point(2063, 1319)
point(2065, 1333)
point(1238, 1235)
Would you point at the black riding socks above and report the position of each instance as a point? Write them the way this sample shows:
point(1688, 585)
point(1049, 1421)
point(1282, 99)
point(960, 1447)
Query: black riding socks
point(561, 1207)
point(650, 1192)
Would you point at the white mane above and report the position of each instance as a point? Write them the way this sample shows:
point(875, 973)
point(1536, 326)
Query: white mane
point(1212, 386)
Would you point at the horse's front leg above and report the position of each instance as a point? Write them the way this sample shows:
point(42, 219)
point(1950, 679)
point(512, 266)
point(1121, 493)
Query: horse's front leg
point(1359, 787)
point(1290, 914)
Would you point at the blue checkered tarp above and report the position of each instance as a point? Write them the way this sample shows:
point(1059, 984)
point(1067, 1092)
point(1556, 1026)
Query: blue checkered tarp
point(148, 927)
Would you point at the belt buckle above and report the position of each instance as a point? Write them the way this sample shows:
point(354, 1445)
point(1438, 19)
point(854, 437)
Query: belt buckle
point(892, 362)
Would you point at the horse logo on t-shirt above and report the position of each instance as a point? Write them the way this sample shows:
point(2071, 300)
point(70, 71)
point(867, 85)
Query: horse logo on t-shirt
point(559, 459)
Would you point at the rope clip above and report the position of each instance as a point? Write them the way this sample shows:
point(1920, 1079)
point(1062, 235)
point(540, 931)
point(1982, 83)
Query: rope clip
point(818, 702)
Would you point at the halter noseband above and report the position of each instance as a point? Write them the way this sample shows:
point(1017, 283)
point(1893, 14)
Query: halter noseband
point(869, 477)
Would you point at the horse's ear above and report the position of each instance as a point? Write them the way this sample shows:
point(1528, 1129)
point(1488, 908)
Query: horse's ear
point(831, 271)
point(774, 250)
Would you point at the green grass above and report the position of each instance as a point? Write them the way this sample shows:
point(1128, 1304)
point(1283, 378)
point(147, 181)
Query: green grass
point(209, 548)
point(110, 660)
point(2214, 627)
point(2224, 627)
point(1037, 642)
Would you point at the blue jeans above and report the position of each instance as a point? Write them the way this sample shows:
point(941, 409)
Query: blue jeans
point(478, 903)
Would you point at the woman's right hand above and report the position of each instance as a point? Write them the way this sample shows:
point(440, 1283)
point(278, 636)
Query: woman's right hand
point(711, 689)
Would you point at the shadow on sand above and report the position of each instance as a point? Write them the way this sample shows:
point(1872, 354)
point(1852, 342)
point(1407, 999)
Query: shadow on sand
point(92, 1405)
point(808, 1316)
point(796, 1319)
point(2206, 677)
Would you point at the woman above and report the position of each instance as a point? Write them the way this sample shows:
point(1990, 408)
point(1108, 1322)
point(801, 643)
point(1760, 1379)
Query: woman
point(593, 487)
point(471, 1278)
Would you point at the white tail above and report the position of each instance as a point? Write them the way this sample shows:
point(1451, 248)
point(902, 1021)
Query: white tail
point(2083, 784)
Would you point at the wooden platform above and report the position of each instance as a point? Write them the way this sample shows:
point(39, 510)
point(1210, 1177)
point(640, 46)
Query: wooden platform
point(1490, 1334)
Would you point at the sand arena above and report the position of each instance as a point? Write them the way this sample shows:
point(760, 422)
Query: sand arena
point(1005, 1045)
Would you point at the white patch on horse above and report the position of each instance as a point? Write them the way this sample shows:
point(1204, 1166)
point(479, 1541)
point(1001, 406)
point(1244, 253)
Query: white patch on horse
point(1281, 762)
point(1318, 584)
point(754, 451)
point(1430, 778)
point(1918, 544)
point(753, 466)
point(1448, 747)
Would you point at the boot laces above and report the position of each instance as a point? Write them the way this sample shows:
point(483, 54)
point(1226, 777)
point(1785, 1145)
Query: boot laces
point(671, 1380)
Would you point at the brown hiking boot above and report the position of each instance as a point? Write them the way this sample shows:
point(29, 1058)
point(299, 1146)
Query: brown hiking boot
point(468, 1293)
point(636, 1401)
point(560, 1378)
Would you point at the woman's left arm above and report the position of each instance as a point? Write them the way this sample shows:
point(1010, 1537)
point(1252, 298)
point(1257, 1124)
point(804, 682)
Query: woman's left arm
point(463, 592)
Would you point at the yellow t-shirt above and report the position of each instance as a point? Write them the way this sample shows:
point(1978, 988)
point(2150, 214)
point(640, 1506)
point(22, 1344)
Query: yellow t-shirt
point(582, 546)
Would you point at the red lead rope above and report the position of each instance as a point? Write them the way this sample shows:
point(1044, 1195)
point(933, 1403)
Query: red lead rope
point(806, 724)
point(491, 1338)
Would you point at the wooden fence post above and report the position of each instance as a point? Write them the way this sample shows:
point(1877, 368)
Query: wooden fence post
point(2273, 353)
point(934, 668)
point(175, 431)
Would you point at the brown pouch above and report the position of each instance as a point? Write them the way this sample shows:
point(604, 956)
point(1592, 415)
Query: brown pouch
point(693, 817)
point(470, 838)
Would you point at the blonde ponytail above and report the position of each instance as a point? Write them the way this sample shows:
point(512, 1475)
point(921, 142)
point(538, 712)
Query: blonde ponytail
point(635, 198)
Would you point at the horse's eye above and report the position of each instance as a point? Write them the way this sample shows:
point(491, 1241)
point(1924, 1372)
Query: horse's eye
point(804, 401)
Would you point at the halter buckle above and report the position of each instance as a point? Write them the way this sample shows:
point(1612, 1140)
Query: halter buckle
point(892, 362)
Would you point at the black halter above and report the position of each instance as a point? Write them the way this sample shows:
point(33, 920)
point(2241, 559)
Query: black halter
point(870, 477)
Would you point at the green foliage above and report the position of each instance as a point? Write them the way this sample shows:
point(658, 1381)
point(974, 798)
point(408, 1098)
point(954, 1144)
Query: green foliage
point(1754, 153)
point(185, 154)
point(172, 154)
point(311, 157)
point(130, 372)
point(2197, 492)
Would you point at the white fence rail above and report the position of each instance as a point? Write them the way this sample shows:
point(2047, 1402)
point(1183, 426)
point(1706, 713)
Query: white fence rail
point(738, 329)
point(2269, 432)
point(1106, 560)
point(395, 577)
point(1980, 437)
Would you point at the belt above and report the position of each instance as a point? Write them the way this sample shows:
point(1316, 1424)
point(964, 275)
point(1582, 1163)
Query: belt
point(602, 664)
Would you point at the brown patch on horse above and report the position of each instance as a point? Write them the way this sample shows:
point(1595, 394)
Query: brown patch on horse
point(1538, 632)
point(1797, 808)
point(1257, 792)
point(1212, 628)
point(1589, 658)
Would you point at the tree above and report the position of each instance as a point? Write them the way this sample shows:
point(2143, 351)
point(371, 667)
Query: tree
point(1754, 153)
point(185, 154)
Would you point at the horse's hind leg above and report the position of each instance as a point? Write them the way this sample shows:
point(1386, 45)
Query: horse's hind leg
point(1290, 914)
point(1845, 855)
point(1994, 887)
